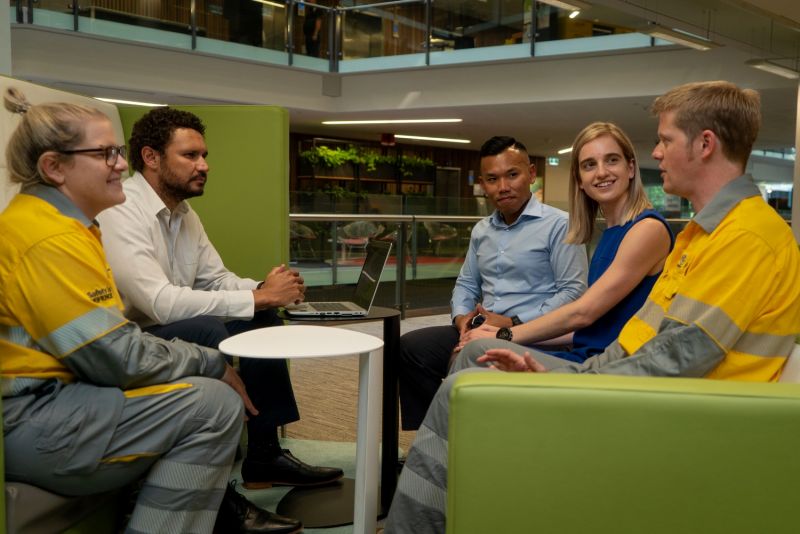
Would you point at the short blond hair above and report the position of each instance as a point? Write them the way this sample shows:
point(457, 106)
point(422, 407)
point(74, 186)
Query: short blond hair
point(583, 209)
point(44, 127)
point(732, 113)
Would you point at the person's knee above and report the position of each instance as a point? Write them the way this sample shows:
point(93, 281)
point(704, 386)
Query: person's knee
point(218, 403)
point(424, 347)
point(468, 356)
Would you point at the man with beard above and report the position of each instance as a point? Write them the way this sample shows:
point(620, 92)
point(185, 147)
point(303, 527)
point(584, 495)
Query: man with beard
point(174, 284)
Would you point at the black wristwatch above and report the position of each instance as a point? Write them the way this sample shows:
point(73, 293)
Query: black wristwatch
point(516, 321)
point(505, 333)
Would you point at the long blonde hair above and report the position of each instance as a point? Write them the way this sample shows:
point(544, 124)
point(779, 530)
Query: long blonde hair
point(44, 127)
point(582, 209)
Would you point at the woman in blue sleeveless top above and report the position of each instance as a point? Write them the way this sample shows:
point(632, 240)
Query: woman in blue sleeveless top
point(604, 177)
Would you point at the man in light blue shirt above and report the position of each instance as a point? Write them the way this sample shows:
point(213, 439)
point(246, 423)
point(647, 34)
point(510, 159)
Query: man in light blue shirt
point(516, 269)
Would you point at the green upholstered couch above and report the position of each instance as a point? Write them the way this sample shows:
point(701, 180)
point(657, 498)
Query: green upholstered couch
point(606, 454)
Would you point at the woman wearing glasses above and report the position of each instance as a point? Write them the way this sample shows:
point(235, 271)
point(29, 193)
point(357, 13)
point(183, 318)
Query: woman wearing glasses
point(629, 257)
point(90, 403)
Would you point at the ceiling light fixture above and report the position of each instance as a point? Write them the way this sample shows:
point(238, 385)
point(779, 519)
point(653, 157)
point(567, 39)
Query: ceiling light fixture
point(565, 150)
point(774, 68)
point(422, 138)
point(679, 37)
point(571, 5)
point(130, 102)
point(273, 4)
point(391, 121)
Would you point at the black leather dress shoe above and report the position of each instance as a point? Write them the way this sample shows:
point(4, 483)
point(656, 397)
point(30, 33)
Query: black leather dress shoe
point(285, 470)
point(237, 515)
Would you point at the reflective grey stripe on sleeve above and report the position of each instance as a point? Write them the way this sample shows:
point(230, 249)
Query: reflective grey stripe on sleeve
point(12, 387)
point(126, 357)
point(651, 314)
point(81, 331)
point(710, 318)
point(725, 332)
point(767, 345)
point(17, 335)
point(677, 350)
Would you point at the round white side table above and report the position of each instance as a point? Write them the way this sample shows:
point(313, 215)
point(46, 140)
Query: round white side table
point(305, 341)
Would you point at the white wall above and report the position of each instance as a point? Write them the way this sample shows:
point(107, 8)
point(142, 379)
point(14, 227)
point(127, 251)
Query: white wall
point(5, 38)
point(556, 185)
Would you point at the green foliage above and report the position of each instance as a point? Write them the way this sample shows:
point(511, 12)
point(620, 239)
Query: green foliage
point(410, 165)
point(340, 193)
point(330, 158)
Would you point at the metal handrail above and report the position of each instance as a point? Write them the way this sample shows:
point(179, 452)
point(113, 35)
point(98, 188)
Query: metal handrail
point(339, 217)
point(405, 221)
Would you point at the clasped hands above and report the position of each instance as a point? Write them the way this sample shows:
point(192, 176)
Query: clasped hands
point(489, 328)
point(501, 359)
point(282, 286)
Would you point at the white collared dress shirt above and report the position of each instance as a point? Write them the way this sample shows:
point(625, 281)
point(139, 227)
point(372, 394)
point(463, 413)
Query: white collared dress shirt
point(165, 267)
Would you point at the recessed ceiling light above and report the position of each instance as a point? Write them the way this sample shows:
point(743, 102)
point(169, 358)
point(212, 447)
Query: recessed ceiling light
point(774, 68)
point(569, 5)
point(274, 4)
point(679, 37)
point(565, 150)
point(391, 121)
point(422, 138)
point(130, 102)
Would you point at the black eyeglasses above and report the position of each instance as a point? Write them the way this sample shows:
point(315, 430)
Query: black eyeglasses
point(111, 153)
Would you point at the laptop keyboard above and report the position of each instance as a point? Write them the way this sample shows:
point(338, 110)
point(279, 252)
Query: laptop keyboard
point(330, 306)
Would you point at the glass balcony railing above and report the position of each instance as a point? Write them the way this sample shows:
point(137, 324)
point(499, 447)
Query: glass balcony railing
point(353, 35)
point(329, 249)
point(349, 36)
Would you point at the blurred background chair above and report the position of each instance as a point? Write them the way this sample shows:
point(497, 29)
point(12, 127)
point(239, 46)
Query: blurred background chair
point(438, 233)
point(302, 237)
point(356, 235)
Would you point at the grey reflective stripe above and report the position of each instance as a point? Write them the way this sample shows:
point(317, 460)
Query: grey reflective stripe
point(651, 313)
point(710, 318)
point(420, 500)
point(17, 335)
point(725, 332)
point(148, 519)
point(21, 386)
point(768, 345)
point(432, 446)
point(82, 330)
point(175, 475)
point(423, 491)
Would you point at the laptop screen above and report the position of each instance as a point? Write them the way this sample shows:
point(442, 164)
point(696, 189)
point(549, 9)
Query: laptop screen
point(377, 254)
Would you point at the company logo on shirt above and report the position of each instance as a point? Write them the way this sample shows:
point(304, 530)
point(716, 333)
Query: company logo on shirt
point(100, 295)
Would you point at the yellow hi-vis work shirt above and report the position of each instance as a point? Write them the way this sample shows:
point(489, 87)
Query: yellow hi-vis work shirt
point(50, 253)
point(735, 275)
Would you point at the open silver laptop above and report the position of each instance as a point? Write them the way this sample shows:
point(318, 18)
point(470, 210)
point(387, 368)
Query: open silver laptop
point(367, 287)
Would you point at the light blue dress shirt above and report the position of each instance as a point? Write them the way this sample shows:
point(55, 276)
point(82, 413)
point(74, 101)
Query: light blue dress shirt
point(523, 269)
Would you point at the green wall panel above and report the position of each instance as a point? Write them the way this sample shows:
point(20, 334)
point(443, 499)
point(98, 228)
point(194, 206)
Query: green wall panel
point(245, 208)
